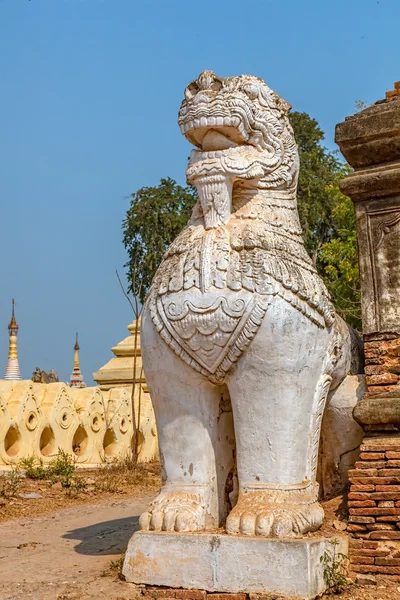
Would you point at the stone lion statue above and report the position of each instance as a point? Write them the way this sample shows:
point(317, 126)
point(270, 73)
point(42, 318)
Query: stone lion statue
point(237, 313)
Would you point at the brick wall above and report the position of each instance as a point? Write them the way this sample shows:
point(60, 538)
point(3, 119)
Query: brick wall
point(394, 93)
point(374, 508)
point(382, 363)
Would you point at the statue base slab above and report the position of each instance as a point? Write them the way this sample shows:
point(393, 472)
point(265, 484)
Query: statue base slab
point(217, 562)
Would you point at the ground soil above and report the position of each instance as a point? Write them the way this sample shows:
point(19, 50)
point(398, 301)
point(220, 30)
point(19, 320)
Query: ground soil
point(70, 547)
point(101, 485)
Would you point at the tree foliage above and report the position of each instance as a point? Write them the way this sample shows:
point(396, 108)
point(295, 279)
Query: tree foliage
point(327, 217)
point(157, 214)
point(155, 217)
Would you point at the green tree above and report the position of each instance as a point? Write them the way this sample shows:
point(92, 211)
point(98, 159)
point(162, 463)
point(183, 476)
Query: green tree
point(155, 217)
point(327, 217)
point(157, 214)
point(319, 171)
point(338, 260)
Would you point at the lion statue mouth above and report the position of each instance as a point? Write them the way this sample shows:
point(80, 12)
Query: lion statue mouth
point(209, 122)
point(241, 131)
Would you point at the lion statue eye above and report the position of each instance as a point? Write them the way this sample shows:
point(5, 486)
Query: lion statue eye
point(252, 91)
point(191, 90)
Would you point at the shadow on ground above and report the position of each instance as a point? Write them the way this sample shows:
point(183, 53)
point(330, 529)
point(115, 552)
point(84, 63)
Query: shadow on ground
point(108, 537)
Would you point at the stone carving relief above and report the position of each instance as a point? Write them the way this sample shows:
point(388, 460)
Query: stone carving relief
point(237, 304)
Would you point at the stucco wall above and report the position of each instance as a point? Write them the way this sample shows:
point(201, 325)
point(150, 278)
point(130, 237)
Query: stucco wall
point(94, 426)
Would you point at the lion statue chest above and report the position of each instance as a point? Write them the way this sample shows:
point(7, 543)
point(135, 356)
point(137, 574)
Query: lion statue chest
point(214, 286)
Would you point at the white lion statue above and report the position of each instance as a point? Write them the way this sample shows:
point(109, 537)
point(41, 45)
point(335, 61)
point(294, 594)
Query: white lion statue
point(237, 314)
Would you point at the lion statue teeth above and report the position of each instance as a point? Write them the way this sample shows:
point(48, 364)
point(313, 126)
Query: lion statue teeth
point(236, 310)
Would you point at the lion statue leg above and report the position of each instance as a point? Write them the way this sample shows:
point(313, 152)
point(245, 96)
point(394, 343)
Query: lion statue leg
point(278, 392)
point(186, 408)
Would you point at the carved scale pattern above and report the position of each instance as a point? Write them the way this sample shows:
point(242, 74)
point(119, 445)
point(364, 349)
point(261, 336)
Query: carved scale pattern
point(235, 270)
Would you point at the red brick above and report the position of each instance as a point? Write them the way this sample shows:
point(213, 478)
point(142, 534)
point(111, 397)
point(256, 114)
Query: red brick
point(361, 473)
point(392, 562)
point(385, 503)
point(360, 496)
point(362, 503)
point(374, 511)
point(380, 447)
point(385, 379)
point(393, 454)
point(361, 519)
point(373, 369)
point(353, 528)
point(384, 495)
point(226, 596)
point(367, 465)
point(372, 545)
point(362, 488)
point(389, 473)
point(389, 578)
point(369, 552)
point(372, 455)
point(362, 560)
point(376, 569)
point(156, 593)
point(191, 594)
point(362, 535)
point(393, 463)
point(381, 527)
point(393, 518)
point(376, 389)
point(388, 488)
point(355, 544)
point(385, 535)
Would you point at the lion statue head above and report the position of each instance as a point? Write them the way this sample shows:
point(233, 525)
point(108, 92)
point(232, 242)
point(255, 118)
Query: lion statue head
point(241, 131)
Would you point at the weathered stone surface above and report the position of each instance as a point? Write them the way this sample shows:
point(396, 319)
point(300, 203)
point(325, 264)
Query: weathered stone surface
point(340, 436)
point(363, 579)
point(377, 410)
point(361, 519)
point(370, 141)
point(367, 139)
point(232, 564)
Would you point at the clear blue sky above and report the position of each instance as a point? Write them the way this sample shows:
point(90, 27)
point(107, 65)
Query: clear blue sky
point(90, 91)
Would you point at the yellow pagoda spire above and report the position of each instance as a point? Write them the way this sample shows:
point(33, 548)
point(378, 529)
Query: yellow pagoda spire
point(76, 379)
point(12, 369)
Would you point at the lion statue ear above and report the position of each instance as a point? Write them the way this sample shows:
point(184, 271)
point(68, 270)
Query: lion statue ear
point(273, 101)
point(286, 106)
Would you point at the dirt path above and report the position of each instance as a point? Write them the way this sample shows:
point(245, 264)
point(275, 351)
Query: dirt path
point(66, 555)
point(63, 555)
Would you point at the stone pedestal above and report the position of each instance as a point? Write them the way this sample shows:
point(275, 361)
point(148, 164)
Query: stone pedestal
point(217, 562)
point(370, 141)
